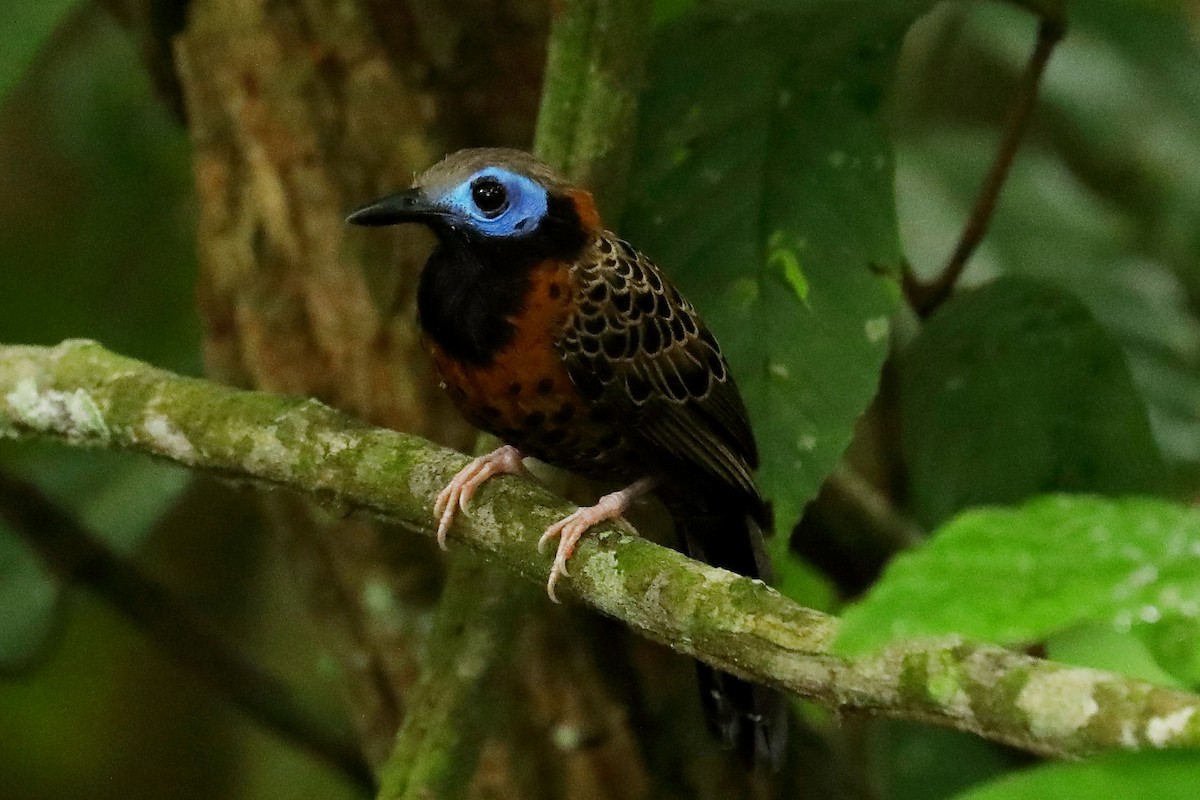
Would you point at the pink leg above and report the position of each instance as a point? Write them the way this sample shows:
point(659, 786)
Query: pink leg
point(504, 460)
point(571, 529)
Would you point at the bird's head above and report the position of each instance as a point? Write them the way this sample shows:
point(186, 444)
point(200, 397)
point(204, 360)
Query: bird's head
point(494, 198)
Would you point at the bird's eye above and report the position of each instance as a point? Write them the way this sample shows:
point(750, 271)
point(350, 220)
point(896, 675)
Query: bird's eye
point(489, 195)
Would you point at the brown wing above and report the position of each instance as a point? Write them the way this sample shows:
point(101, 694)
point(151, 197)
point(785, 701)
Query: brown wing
point(637, 349)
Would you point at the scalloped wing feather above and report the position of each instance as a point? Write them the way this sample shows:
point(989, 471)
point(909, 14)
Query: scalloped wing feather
point(639, 350)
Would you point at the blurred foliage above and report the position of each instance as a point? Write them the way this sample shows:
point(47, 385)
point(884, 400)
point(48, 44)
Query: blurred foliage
point(26, 28)
point(1062, 411)
point(95, 234)
point(764, 185)
point(1102, 200)
point(96, 240)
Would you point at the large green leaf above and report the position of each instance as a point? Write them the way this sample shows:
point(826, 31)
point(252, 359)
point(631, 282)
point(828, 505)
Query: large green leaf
point(763, 185)
point(1013, 390)
point(1017, 575)
point(1146, 776)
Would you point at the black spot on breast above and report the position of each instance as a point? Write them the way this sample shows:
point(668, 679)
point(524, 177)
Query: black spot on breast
point(491, 412)
point(544, 386)
point(514, 388)
point(457, 393)
point(554, 436)
point(554, 291)
point(565, 413)
point(534, 420)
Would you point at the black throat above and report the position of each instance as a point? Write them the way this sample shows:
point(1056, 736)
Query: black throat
point(472, 285)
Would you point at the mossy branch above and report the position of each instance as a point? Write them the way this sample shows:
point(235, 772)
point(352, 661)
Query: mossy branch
point(80, 394)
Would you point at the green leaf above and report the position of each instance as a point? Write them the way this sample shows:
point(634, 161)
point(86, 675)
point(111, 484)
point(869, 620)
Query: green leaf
point(1012, 390)
point(1146, 776)
point(1017, 575)
point(763, 185)
point(25, 27)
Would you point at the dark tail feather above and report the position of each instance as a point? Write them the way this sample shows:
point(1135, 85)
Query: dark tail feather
point(744, 716)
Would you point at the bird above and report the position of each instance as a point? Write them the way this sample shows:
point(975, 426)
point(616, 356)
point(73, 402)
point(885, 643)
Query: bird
point(573, 348)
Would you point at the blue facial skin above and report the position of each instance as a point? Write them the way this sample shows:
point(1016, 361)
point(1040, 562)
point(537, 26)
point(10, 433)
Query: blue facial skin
point(526, 205)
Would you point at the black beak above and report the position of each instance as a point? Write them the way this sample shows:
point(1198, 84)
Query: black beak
point(410, 205)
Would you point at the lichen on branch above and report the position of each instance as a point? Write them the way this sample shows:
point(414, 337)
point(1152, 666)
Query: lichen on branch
point(80, 394)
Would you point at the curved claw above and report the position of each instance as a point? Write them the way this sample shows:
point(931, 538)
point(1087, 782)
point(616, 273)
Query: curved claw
point(504, 460)
point(570, 529)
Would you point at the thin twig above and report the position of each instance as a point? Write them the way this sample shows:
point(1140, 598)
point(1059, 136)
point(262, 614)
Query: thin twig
point(925, 298)
point(76, 556)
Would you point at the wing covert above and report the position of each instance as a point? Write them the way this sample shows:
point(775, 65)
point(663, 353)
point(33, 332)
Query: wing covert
point(638, 349)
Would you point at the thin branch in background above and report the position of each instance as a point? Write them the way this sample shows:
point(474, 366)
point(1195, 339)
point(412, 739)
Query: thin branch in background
point(925, 298)
point(77, 557)
point(448, 713)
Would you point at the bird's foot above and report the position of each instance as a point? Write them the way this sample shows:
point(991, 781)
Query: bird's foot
point(571, 529)
point(504, 460)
